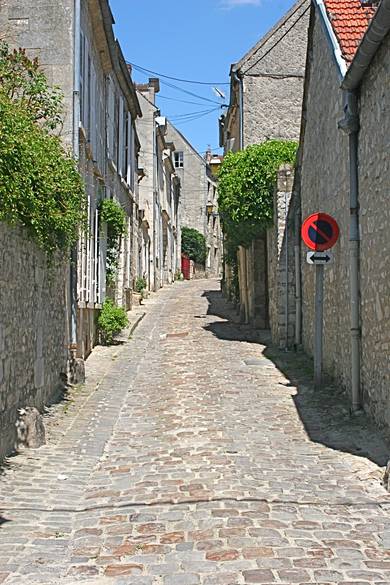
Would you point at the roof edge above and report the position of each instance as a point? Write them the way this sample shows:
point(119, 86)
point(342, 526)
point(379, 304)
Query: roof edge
point(235, 67)
point(336, 49)
point(378, 28)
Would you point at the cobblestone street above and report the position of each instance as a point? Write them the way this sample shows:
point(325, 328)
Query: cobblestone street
point(196, 454)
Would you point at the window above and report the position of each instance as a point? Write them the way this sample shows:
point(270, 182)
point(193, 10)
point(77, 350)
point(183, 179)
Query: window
point(179, 159)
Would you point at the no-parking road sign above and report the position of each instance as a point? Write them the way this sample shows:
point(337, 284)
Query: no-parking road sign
point(320, 232)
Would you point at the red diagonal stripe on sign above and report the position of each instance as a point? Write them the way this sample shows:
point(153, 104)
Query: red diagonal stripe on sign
point(322, 234)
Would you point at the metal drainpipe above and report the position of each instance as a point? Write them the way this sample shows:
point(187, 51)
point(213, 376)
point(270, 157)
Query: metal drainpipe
point(286, 264)
point(240, 80)
point(354, 240)
point(298, 283)
point(76, 119)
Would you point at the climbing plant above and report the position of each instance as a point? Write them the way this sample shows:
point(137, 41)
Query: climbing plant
point(193, 243)
point(111, 213)
point(25, 84)
point(40, 187)
point(245, 189)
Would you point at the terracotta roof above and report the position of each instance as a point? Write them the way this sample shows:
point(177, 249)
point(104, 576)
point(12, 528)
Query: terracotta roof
point(350, 20)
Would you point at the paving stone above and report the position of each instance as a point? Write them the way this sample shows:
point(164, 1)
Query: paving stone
point(185, 465)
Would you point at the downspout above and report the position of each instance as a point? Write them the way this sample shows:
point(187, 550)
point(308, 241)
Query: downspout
point(240, 80)
point(73, 255)
point(350, 125)
point(298, 283)
point(286, 266)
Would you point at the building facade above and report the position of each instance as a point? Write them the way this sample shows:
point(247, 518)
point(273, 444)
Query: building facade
point(266, 92)
point(346, 174)
point(159, 194)
point(75, 44)
point(266, 85)
point(199, 197)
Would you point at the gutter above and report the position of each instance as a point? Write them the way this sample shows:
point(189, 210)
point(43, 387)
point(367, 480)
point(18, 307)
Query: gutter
point(376, 32)
point(337, 54)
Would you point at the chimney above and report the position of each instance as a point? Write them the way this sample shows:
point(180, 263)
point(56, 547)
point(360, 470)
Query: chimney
point(155, 83)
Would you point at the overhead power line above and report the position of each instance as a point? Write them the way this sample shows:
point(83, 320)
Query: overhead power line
point(164, 97)
point(178, 78)
point(278, 41)
point(177, 88)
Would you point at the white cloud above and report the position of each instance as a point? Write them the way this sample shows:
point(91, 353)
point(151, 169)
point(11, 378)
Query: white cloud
point(236, 3)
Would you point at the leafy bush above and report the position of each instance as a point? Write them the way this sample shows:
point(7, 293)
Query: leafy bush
point(112, 320)
point(114, 216)
point(193, 243)
point(40, 187)
point(245, 189)
point(140, 284)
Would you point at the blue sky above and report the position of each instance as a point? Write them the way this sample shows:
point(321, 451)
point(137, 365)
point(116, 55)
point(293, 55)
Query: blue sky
point(194, 40)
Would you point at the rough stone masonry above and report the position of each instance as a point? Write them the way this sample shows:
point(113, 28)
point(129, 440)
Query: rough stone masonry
point(32, 330)
point(197, 454)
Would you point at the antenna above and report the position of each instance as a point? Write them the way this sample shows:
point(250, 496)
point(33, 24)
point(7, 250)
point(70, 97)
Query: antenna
point(219, 93)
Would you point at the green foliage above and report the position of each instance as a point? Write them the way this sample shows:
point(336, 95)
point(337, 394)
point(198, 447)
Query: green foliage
point(23, 83)
point(140, 284)
point(112, 320)
point(245, 189)
point(40, 187)
point(247, 180)
point(193, 243)
point(111, 213)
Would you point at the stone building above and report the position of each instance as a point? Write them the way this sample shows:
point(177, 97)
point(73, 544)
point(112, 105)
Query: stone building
point(266, 85)
point(344, 171)
point(57, 311)
point(199, 197)
point(160, 194)
point(266, 92)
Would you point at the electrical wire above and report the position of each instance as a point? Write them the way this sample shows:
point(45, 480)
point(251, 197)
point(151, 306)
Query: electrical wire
point(177, 88)
point(192, 114)
point(278, 41)
point(138, 67)
point(164, 97)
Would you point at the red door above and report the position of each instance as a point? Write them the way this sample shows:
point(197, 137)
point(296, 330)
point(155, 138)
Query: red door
point(185, 266)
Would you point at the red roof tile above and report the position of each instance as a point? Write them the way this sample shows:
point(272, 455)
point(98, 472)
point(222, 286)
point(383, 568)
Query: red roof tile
point(350, 20)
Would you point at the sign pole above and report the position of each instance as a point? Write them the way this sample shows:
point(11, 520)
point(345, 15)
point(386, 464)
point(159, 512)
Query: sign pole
point(318, 334)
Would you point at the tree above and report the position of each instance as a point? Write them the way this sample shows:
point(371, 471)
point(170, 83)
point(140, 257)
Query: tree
point(193, 243)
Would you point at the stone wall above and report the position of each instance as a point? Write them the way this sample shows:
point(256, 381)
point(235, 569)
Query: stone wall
point(273, 76)
point(374, 191)
point(193, 183)
point(45, 29)
point(281, 262)
point(33, 320)
point(325, 187)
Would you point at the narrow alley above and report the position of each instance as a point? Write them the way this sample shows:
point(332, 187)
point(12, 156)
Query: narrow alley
point(194, 454)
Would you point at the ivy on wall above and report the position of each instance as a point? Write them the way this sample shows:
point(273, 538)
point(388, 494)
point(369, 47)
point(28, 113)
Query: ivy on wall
point(40, 187)
point(111, 213)
point(246, 185)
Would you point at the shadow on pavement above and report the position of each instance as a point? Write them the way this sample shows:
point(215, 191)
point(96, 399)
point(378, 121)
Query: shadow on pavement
point(325, 414)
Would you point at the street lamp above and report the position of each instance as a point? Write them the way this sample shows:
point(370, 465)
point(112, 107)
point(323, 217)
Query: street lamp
point(209, 207)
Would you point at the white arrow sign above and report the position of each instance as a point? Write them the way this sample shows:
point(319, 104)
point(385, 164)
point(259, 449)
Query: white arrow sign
point(319, 257)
